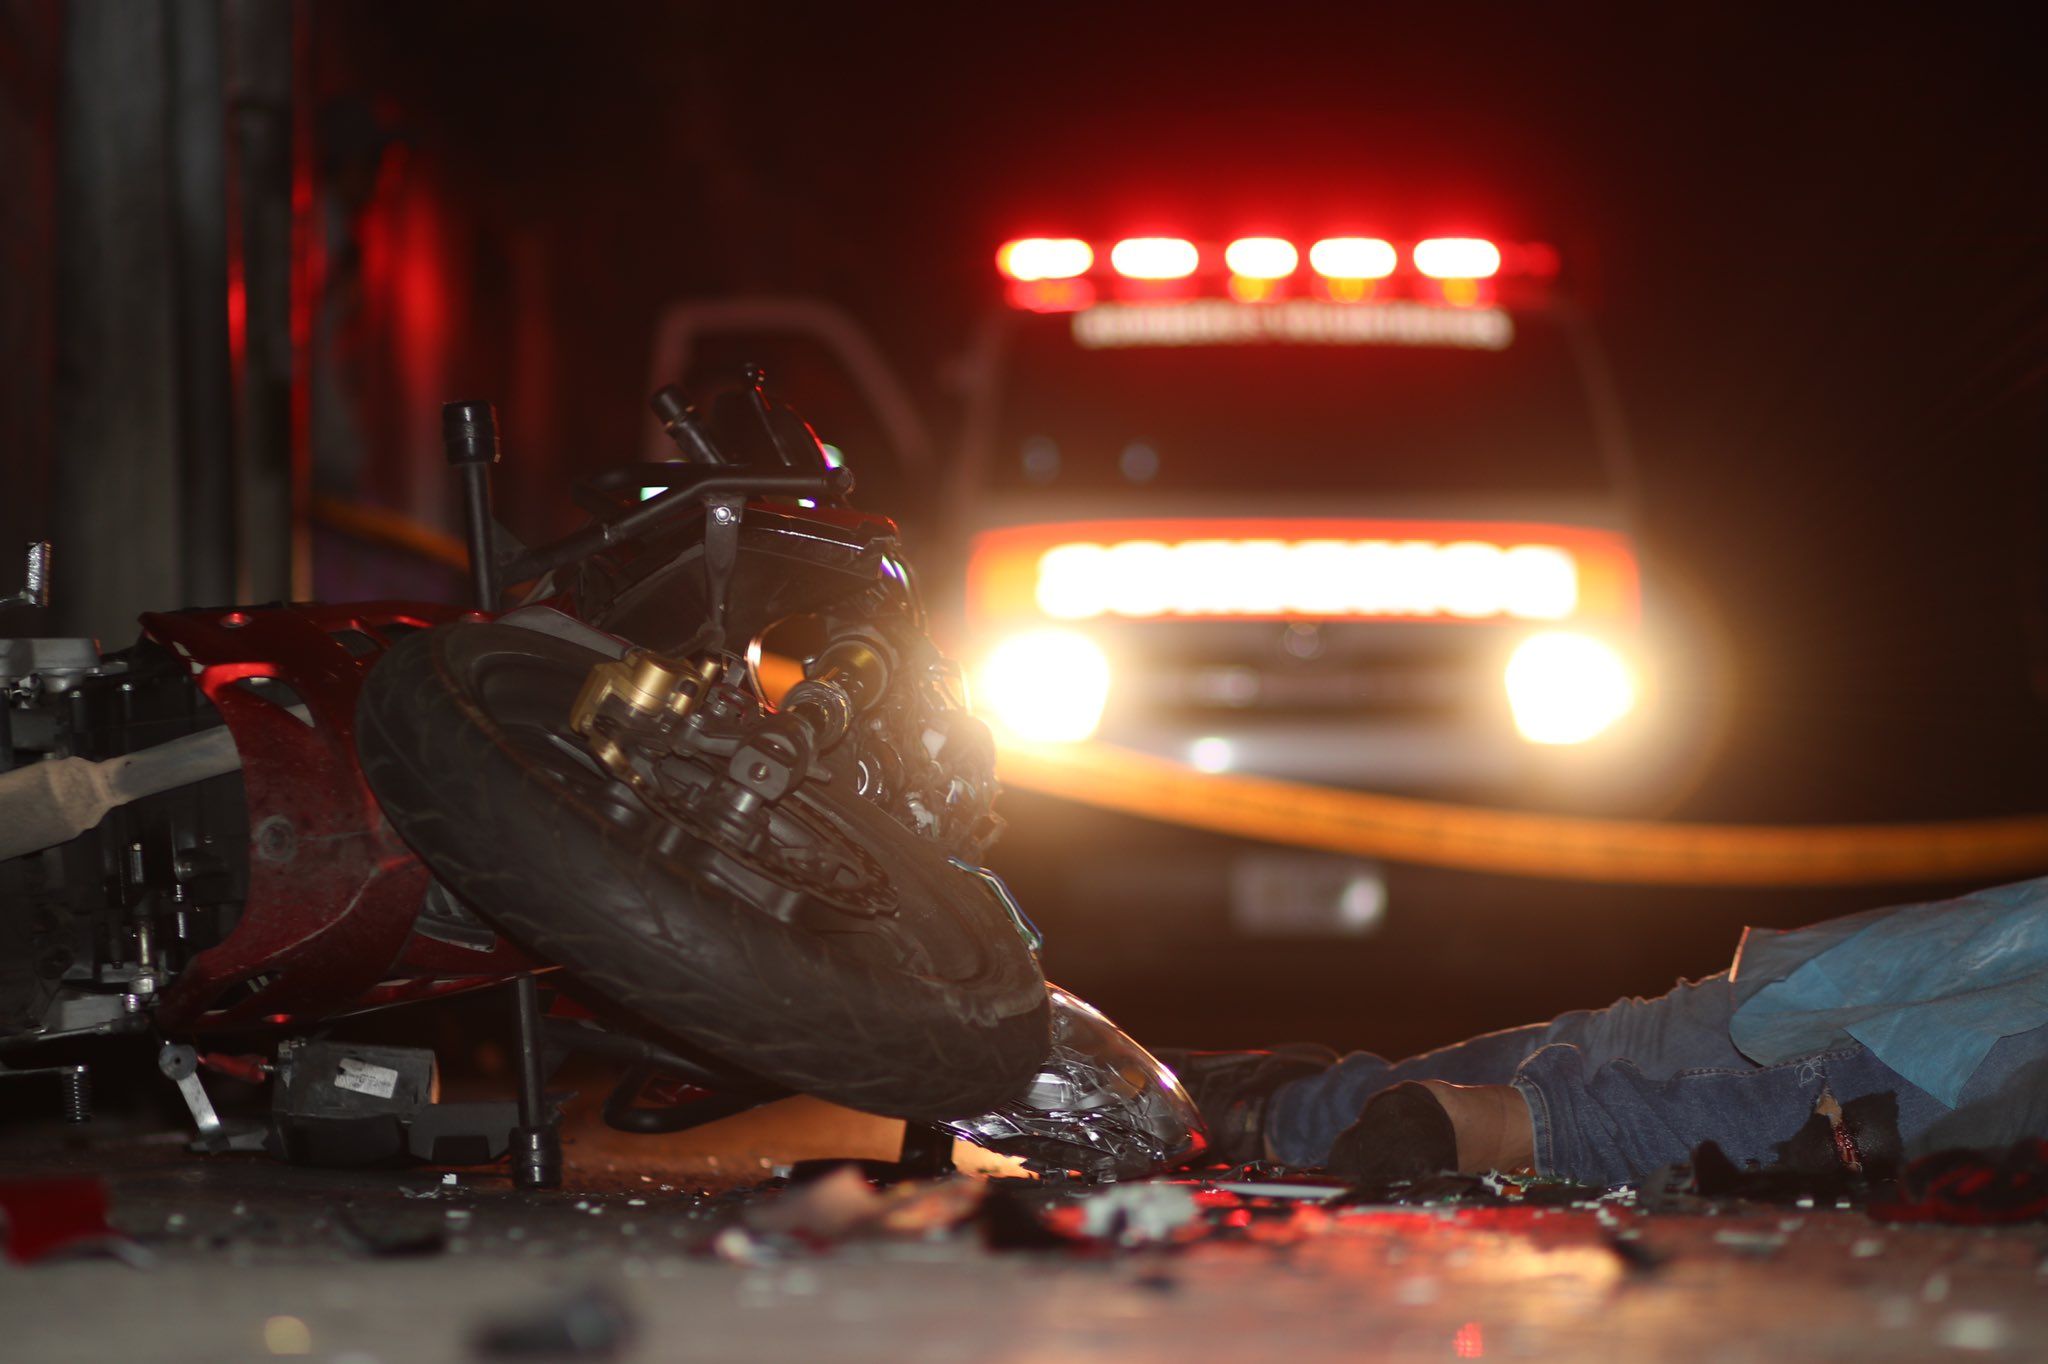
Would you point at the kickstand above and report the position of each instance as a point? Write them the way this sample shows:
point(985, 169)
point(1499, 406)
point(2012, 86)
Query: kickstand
point(537, 1141)
point(180, 1063)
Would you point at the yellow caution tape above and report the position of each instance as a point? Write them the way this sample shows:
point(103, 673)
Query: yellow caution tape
point(1430, 833)
point(1519, 843)
point(378, 526)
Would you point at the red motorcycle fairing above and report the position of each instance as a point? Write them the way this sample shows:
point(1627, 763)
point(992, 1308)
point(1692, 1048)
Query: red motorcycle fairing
point(328, 927)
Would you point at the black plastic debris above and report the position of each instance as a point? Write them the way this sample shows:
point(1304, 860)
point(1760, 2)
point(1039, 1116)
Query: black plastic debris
point(390, 1236)
point(591, 1323)
point(1014, 1221)
point(1668, 1189)
point(1641, 1260)
point(349, 1105)
point(1560, 1193)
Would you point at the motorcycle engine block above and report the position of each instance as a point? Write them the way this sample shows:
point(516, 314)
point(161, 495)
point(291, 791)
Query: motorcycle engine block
point(92, 929)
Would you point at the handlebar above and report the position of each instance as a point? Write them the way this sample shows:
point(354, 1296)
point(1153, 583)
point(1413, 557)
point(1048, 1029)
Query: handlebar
point(693, 485)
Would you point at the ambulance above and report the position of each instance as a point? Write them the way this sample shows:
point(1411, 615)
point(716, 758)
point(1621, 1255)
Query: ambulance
point(1343, 508)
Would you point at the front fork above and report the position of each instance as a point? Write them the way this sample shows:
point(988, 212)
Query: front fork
point(648, 702)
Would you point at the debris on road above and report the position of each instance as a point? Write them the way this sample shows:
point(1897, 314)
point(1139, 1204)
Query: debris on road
point(1742, 1240)
point(1972, 1188)
point(844, 1204)
point(1138, 1214)
point(591, 1323)
point(44, 1217)
point(1973, 1331)
point(393, 1235)
point(1014, 1221)
point(1640, 1259)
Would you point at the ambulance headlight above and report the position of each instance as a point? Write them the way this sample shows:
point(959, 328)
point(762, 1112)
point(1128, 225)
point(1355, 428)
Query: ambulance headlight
point(1566, 688)
point(1044, 686)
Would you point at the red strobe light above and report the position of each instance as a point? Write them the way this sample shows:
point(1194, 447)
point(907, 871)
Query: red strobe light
point(1035, 258)
point(1261, 258)
point(1353, 258)
point(1154, 258)
point(1457, 258)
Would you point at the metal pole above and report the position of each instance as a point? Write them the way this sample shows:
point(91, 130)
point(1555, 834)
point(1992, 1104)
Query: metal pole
point(115, 479)
point(469, 435)
point(260, 67)
point(196, 131)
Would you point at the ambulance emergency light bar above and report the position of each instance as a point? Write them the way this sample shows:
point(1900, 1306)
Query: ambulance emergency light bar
point(1068, 274)
point(1038, 258)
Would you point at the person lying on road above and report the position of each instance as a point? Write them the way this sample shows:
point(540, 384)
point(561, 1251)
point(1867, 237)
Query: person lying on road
point(1909, 1030)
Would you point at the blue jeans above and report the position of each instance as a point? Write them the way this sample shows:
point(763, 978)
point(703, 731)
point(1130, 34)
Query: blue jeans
point(1617, 1093)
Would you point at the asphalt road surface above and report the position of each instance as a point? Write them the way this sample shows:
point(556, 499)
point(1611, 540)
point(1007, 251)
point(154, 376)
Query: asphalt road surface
point(241, 1257)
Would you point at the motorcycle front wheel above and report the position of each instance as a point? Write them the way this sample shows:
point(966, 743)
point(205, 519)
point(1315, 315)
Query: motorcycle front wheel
point(839, 954)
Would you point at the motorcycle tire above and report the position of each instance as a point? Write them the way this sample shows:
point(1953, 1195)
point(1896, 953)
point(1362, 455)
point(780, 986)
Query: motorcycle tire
point(933, 1010)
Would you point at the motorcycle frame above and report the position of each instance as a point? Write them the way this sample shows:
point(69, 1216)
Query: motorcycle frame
point(334, 894)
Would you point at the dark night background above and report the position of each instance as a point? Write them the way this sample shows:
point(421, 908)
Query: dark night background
point(1813, 237)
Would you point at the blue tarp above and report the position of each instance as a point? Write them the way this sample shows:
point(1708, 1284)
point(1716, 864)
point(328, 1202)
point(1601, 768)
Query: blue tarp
point(1927, 987)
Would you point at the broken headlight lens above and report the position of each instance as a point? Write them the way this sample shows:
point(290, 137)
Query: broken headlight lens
point(1101, 1106)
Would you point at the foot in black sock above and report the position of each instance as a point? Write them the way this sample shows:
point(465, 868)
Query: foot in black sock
point(1402, 1133)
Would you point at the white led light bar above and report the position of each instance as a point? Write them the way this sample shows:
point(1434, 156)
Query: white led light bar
point(1467, 579)
point(1307, 322)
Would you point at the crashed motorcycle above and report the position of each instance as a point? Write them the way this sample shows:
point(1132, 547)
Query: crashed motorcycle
point(742, 879)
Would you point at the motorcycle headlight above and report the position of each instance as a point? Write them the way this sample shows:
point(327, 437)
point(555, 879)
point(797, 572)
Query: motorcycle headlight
point(1045, 686)
point(1566, 688)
